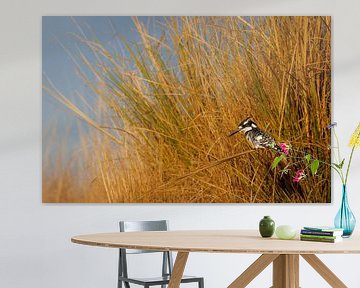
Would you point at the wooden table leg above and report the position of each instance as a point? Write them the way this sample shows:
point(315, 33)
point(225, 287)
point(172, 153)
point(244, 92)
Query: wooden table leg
point(178, 269)
point(253, 270)
point(286, 271)
point(324, 271)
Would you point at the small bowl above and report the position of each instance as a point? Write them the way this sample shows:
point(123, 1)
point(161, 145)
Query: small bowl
point(285, 232)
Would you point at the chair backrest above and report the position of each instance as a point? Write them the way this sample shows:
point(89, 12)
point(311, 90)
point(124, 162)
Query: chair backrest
point(135, 226)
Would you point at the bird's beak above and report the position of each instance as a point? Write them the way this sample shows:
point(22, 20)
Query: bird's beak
point(234, 132)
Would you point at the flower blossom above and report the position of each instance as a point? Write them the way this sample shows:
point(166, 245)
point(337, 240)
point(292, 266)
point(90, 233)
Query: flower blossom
point(332, 125)
point(284, 148)
point(300, 174)
point(355, 138)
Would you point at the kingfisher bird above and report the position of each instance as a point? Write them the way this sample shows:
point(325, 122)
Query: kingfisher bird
point(256, 137)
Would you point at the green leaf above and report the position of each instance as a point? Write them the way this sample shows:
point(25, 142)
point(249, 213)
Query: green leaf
point(307, 158)
point(339, 165)
point(342, 163)
point(314, 166)
point(277, 161)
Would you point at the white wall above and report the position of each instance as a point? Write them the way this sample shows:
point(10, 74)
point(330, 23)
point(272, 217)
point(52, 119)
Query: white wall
point(35, 248)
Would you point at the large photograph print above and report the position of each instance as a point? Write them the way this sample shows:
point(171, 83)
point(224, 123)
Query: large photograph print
point(186, 109)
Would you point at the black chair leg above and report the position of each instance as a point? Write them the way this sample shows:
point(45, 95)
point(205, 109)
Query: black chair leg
point(201, 283)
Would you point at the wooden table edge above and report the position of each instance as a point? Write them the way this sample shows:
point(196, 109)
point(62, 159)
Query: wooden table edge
point(203, 250)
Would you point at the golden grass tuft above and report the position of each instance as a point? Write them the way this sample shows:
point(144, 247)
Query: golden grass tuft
point(166, 107)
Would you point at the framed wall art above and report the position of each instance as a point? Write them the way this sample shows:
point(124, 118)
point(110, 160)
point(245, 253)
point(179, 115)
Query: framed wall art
point(186, 109)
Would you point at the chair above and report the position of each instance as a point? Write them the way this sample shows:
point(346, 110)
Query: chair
point(167, 262)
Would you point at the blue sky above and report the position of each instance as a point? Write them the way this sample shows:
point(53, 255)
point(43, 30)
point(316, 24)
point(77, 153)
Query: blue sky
point(58, 44)
point(59, 35)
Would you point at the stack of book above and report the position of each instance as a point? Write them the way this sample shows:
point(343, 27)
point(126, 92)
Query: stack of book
point(321, 234)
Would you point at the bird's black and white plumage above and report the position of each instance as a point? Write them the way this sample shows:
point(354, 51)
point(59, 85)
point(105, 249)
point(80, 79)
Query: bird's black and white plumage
point(256, 137)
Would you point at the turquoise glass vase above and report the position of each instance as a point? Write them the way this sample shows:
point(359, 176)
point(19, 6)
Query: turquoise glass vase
point(345, 219)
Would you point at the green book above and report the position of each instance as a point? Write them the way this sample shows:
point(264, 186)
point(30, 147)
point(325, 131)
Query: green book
point(325, 240)
point(319, 236)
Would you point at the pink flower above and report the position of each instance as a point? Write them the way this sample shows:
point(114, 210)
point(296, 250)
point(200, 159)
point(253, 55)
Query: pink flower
point(300, 174)
point(284, 148)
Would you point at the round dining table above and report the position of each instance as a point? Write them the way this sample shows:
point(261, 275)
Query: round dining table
point(283, 254)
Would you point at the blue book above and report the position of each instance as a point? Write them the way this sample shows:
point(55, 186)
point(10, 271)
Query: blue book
point(322, 231)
